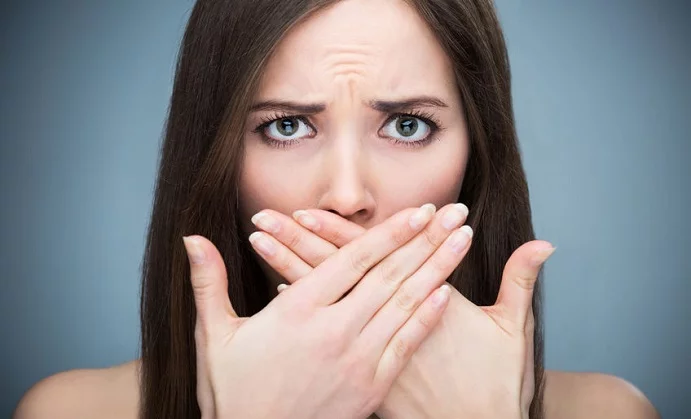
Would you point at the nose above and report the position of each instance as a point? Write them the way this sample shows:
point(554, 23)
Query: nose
point(347, 183)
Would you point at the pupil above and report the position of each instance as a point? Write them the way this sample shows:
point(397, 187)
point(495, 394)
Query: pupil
point(406, 126)
point(287, 126)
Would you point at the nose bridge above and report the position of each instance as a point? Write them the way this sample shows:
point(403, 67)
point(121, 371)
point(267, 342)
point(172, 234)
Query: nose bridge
point(345, 168)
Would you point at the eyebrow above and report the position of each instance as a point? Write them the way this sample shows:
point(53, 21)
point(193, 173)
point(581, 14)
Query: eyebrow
point(402, 105)
point(386, 106)
point(293, 107)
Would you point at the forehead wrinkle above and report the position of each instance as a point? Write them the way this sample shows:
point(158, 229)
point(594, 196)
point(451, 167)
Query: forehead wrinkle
point(348, 70)
point(339, 61)
point(330, 47)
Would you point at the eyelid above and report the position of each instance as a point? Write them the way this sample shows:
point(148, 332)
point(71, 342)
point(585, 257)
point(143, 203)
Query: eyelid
point(426, 117)
point(417, 113)
point(266, 121)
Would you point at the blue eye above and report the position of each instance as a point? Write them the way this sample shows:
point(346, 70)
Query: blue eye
point(407, 128)
point(415, 129)
point(287, 129)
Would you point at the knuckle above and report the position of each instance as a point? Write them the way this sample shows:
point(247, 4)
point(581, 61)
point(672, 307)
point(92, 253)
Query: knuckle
point(203, 287)
point(360, 260)
point(390, 274)
point(401, 349)
point(439, 264)
point(399, 236)
point(335, 236)
point(431, 241)
point(317, 258)
point(284, 264)
point(405, 300)
point(524, 282)
point(294, 239)
point(426, 320)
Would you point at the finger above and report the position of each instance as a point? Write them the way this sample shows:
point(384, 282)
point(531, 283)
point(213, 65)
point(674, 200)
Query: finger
point(329, 281)
point(329, 226)
point(209, 281)
point(416, 289)
point(515, 298)
point(279, 257)
point(411, 335)
point(308, 246)
point(384, 280)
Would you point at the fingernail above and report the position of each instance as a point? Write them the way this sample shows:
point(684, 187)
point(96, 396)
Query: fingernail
point(281, 287)
point(305, 219)
point(468, 230)
point(460, 238)
point(454, 216)
point(442, 294)
point(262, 244)
point(542, 255)
point(194, 250)
point(422, 216)
point(463, 208)
point(266, 222)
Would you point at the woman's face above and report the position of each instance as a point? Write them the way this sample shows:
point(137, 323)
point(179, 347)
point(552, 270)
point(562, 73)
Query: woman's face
point(358, 113)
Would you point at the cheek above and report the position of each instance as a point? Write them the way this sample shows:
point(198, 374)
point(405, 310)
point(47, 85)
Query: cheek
point(434, 177)
point(269, 183)
point(287, 182)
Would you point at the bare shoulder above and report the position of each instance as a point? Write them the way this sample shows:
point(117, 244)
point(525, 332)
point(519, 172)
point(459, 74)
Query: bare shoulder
point(107, 393)
point(576, 395)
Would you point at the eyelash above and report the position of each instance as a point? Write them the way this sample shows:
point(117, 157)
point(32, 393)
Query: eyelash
point(429, 119)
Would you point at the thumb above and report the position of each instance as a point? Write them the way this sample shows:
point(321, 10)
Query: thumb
point(515, 297)
point(210, 286)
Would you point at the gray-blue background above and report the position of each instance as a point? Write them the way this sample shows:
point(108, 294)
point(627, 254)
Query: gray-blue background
point(602, 102)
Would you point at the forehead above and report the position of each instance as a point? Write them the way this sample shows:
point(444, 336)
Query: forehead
point(382, 45)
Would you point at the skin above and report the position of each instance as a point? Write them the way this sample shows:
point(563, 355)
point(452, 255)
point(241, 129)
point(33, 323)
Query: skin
point(350, 165)
point(466, 378)
point(350, 168)
point(311, 352)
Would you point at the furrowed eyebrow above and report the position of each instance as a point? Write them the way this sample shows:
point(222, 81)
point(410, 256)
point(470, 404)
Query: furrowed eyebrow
point(406, 104)
point(287, 106)
point(384, 106)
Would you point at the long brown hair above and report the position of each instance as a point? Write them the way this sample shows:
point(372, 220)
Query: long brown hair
point(222, 55)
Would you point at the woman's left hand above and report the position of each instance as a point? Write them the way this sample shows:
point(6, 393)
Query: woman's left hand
point(476, 363)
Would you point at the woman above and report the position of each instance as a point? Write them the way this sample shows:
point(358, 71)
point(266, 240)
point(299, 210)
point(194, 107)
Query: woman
point(346, 115)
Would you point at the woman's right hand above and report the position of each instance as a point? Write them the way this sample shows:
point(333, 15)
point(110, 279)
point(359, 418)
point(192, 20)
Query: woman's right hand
point(311, 353)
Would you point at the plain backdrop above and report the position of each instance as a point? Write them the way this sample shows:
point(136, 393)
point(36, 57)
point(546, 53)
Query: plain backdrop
point(603, 107)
